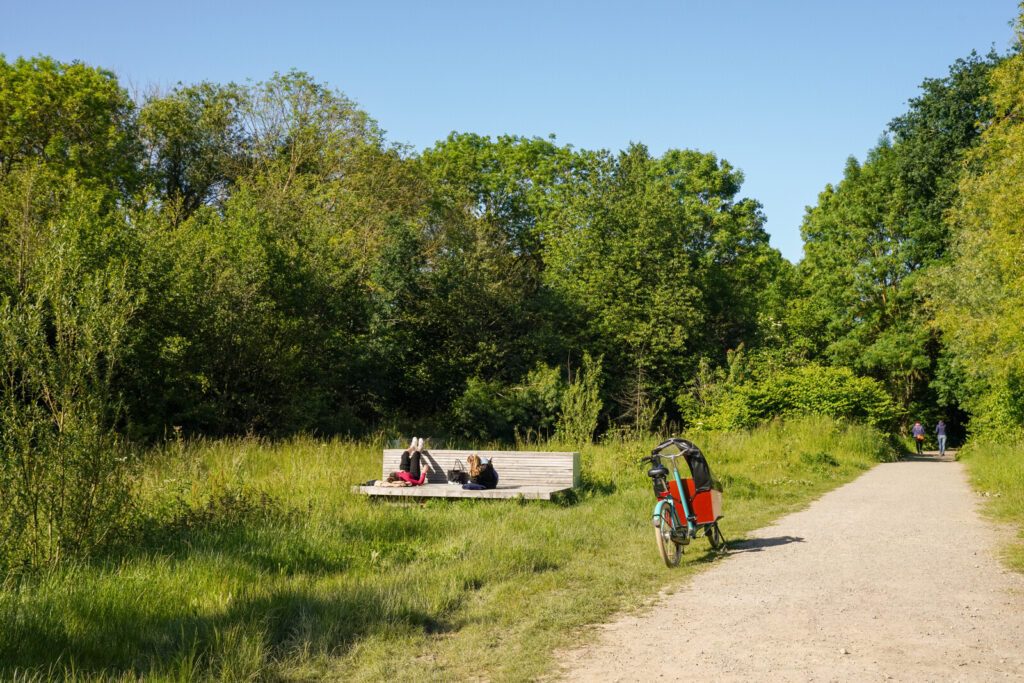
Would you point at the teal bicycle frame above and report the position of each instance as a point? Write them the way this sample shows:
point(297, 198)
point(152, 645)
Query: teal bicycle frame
point(667, 502)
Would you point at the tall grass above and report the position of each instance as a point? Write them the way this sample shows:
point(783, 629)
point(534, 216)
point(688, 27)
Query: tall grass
point(997, 473)
point(253, 560)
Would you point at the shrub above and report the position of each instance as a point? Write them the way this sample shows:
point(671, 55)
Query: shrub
point(807, 390)
point(63, 483)
point(493, 410)
point(581, 403)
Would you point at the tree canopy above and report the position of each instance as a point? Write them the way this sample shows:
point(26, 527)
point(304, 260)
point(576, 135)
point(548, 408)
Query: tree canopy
point(290, 269)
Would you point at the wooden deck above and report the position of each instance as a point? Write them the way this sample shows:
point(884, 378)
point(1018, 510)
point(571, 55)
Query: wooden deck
point(534, 475)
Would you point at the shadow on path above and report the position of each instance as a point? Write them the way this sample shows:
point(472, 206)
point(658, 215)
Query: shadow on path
point(756, 545)
point(930, 456)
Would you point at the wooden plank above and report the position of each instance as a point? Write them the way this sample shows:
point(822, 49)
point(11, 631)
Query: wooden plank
point(452, 491)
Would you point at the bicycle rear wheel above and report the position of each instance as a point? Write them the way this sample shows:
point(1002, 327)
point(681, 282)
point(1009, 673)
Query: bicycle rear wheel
point(669, 550)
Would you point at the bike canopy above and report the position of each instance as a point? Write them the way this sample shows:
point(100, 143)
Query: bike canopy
point(702, 478)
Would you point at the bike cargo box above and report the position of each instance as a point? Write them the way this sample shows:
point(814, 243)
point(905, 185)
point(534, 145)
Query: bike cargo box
point(706, 505)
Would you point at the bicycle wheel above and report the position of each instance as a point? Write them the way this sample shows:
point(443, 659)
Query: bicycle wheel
point(669, 550)
point(715, 537)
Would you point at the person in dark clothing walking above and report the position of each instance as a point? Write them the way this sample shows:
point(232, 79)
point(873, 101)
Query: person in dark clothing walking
point(940, 433)
point(918, 433)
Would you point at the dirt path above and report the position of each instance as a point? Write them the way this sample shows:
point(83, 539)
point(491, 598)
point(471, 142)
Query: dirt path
point(893, 576)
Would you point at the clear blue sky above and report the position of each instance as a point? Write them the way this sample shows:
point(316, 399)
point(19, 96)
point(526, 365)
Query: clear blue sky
point(785, 91)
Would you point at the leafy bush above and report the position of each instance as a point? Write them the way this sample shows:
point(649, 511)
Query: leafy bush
point(493, 410)
point(807, 390)
point(997, 412)
point(63, 482)
point(581, 403)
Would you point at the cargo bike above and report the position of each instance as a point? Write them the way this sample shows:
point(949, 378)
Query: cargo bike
point(687, 507)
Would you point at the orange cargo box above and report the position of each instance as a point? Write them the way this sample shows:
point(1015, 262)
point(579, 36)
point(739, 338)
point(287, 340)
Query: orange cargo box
point(707, 505)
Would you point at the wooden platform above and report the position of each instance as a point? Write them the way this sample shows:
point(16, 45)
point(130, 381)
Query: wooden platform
point(521, 474)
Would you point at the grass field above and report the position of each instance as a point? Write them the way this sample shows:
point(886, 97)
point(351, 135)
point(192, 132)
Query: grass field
point(997, 473)
point(253, 561)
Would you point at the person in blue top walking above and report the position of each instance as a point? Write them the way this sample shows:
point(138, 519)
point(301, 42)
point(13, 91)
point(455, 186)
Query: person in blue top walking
point(940, 432)
point(918, 433)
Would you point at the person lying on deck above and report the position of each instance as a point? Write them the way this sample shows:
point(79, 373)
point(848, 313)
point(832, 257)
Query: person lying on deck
point(409, 469)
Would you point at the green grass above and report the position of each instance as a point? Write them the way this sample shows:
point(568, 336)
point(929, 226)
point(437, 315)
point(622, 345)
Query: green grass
point(997, 473)
point(252, 560)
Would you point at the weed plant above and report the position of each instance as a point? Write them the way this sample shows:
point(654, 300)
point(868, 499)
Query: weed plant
point(997, 473)
point(254, 560)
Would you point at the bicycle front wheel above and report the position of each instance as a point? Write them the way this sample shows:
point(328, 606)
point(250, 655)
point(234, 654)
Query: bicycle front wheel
point(669, 550)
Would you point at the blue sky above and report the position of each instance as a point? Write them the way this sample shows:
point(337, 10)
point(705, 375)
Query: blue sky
point(785, 91)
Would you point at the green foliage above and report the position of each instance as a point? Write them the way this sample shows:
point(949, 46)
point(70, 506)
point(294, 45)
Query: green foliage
point(31, 195)
point(74, 118)
point(519, 185)
point(874, 243)
point(195, 144)
point(809, 390)
point(62, 337)
point(299, 128)
point(253, 319)
point(581, 403)
point(664, 264)
point(299, 273)
point(481, 308)
point(492, 409)
point(979, 297)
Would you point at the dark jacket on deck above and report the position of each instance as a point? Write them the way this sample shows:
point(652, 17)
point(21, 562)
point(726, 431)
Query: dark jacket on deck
point(487, 477)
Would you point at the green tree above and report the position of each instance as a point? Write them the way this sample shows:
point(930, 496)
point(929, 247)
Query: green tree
point(195, 145)
point(873, 242)
point(262, 305)
point(460, 287)
point(298, 128)
point(654, 253)
point(74, 118)
point(980, 296)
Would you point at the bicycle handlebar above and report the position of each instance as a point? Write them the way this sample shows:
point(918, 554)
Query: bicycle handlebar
point(683, 445)
point(685, 448)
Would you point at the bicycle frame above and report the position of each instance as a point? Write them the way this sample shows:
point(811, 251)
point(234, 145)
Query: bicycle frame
point(686, 507)
point(669, 501)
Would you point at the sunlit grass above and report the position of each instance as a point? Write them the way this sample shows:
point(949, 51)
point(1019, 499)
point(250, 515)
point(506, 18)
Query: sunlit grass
point(254, 560)
point(997, 473)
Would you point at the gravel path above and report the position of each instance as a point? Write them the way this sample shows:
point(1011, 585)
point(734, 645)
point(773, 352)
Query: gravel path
point(893, 576)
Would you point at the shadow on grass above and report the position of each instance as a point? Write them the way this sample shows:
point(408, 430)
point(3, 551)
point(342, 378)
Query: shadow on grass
point(258, 530)
point(111, 628)
point(590, 487)
point(122, 637)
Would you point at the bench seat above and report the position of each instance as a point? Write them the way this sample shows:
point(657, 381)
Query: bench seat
point(521, 474)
